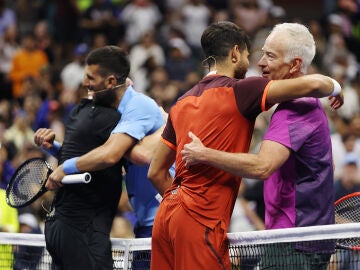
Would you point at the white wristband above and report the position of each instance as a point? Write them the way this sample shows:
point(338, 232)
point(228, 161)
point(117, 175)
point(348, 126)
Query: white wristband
point(337, 88)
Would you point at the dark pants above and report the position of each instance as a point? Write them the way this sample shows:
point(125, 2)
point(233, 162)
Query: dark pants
point(71, 248)
point(286, 257)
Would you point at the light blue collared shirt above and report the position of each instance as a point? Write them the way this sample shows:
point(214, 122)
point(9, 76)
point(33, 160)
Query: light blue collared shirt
point(140, 116)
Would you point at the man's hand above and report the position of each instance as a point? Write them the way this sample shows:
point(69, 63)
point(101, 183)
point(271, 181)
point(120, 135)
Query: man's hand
point(191, 153)
point(54, 180)
point(44, 137)
point(336, 101)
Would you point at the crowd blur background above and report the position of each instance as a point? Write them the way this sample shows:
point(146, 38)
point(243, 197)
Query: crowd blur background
point(43, 45)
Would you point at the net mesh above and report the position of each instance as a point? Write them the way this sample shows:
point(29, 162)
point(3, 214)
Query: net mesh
point(347, 209)
point(273, 249)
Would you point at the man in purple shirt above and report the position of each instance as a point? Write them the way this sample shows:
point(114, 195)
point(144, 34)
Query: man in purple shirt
point(295, 157)
point(291, 193)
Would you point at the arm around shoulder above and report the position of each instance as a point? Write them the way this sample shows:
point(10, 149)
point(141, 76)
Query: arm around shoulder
point(107, 154)
point(313, 85)
point(257, 166)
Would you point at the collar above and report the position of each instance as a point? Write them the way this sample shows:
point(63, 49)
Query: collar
point(213, 72)
point(129, 92)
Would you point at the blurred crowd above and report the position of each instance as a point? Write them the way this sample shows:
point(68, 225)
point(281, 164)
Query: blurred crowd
point(43, 45)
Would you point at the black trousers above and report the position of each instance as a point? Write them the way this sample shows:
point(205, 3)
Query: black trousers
point(75, 249)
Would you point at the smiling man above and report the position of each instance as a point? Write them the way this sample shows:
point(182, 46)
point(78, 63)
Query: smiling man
point(295, 157)
point(193, 217)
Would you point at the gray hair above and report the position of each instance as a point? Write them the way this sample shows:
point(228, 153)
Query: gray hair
point(300, 43)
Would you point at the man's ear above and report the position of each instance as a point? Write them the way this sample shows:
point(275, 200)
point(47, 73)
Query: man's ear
point(234, 54)
point(296, 65)
point(111, 80)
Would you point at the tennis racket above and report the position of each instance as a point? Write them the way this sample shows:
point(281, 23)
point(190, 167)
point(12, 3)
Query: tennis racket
point(347, 210)
point(28, 182)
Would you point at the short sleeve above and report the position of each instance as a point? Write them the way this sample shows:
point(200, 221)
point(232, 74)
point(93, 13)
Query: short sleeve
point(140, 117)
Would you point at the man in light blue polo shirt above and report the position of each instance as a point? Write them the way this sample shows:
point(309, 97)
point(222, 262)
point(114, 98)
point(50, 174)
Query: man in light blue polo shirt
point(140, 116)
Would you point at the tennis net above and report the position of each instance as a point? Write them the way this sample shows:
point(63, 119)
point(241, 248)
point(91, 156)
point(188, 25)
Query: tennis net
point(271, 249)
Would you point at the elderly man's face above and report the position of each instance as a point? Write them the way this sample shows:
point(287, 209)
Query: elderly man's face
point(272, 62)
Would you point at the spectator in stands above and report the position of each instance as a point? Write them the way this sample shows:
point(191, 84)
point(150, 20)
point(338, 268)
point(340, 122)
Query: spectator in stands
point(48, 83)
point(195, 17)
point(20, 132)
point(7, 151)
point(7, 17)
point(337, 52)
point(8, 47)
point(351, 98)
point(31, 105)
point(99, 40)
point(26, 63)
point(44, 40)
point(161, 89)
point(27, 15)
point(145, 57)
point(249, 15)
point(316, 30)
point(42, 120)
point(8, 218)
point(349, 10)
point(345, 140)
point(349, 180)
point(139, 17)
point(72, 73)
point(100, 17)
point(179, 62)
point(65, 28)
